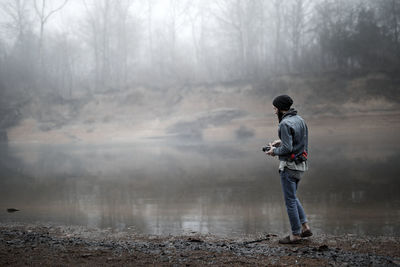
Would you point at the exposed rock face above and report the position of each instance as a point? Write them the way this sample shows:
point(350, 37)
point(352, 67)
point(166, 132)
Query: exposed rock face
point(3, 136)
point(8, 118)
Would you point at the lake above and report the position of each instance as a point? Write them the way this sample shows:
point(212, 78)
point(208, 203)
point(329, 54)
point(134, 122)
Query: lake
point(223, 188)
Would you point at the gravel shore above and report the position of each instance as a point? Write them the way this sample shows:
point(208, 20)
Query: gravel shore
point(34, 245)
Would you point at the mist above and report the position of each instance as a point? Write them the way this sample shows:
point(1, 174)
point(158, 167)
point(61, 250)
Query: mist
point(121, 70)
point(152, 114)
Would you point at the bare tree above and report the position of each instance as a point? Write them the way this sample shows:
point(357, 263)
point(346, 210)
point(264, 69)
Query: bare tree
point(176, 10)
point(150, 30)
point(98, 18)
point(16, 11)
point(297, 18)
point(111, 31)
point(240, 22)
point(196, 15)
point(123, 45)
point(44, 15)
point(20, 57)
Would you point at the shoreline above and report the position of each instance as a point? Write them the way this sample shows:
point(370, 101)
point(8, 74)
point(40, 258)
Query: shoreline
point(28, 130)
point(38, 244)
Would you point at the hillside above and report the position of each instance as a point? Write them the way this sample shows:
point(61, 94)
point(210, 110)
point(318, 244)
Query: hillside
point(218, 112)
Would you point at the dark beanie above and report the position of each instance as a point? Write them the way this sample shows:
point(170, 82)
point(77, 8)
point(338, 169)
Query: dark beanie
point(282, 102)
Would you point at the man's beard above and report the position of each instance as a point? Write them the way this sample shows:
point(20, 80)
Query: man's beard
point(280, 115)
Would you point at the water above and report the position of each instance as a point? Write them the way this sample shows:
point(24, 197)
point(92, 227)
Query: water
point(225, 188)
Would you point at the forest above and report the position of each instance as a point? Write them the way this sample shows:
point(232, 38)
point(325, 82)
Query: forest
point(69, 51)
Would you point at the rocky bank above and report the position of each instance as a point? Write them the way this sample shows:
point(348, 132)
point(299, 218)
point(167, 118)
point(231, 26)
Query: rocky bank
point(34, 245)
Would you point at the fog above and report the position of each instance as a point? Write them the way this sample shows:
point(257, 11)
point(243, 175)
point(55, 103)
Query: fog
point(105, 71)
point(152, 113)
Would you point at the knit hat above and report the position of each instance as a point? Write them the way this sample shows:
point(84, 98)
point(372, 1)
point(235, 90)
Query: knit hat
point(282, 102)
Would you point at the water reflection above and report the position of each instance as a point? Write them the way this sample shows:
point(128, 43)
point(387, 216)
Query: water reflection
point(222, 189)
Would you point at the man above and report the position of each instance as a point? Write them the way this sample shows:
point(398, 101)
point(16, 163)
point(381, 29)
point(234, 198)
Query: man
point(292, 149)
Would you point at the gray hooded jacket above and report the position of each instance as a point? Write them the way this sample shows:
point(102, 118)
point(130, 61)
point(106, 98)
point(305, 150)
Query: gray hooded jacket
point(293, 133)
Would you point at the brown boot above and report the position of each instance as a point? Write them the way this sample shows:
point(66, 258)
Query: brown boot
point(306, 233)
point(287, 240)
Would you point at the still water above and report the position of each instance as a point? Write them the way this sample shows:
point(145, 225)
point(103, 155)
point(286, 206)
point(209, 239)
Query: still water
point(227, 188)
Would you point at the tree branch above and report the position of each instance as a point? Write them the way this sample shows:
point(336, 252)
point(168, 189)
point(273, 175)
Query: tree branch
point(55, 10)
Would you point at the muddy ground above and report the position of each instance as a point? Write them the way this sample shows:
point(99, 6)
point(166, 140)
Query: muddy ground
point(34, 245)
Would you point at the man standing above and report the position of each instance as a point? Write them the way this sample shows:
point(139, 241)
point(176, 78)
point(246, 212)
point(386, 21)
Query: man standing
point(292, 149)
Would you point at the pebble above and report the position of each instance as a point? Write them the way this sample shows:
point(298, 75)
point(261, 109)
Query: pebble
point(184, 248)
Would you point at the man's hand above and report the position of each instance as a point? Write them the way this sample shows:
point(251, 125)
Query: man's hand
point(276, 143)
point(271, 151)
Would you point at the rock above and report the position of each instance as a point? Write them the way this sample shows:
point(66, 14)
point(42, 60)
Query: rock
point(11, 210)
point(196, 240)
point(397, 262)
point(323, 248)
point(270, 235)
point(3, 136)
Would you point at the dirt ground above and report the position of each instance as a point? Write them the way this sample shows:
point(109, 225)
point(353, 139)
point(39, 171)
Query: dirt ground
point(35, 245)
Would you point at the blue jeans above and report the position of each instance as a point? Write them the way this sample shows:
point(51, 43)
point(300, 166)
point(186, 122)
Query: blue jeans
point(293, 206)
